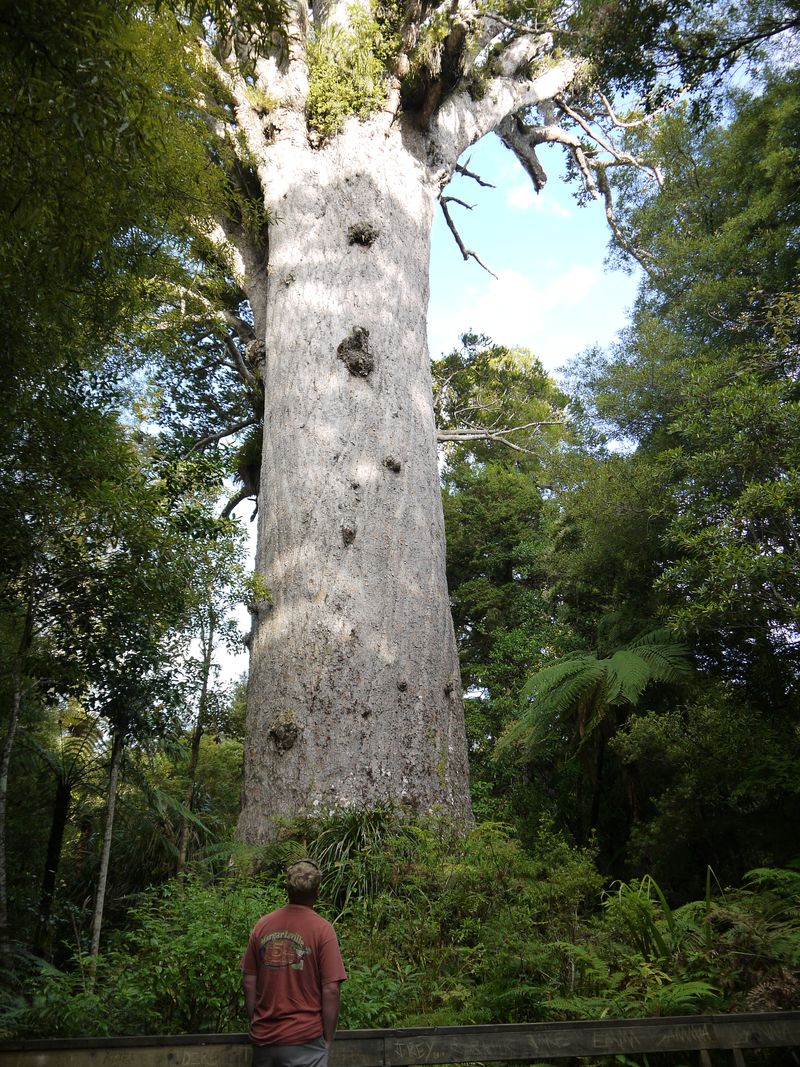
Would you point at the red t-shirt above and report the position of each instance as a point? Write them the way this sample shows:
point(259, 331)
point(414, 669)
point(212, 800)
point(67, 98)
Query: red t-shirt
point(292, 952)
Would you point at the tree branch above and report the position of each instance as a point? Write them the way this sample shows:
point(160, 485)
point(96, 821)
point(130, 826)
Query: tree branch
point(243, 494)
point(467, 253)
point(619, 122)
point(221, 316)
point(523, 139)
point(244, 371)
point(496, 436)
point(605, 144)
point(512, 135)
point(644, 259)
point(462, 120)
point(475, 177)
point(212, 437)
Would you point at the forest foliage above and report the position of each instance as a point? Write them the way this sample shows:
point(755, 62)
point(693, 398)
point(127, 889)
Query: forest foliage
point(623, 580)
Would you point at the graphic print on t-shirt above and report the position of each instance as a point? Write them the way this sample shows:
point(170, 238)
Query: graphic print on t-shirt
point(283, 949)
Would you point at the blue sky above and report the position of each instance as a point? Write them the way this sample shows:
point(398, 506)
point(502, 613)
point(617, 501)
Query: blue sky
point(554, 294)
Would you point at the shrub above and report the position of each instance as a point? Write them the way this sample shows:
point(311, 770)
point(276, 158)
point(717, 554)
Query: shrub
point(174, 968)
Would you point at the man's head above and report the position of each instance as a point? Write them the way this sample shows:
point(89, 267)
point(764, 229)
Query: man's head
point(302, 882)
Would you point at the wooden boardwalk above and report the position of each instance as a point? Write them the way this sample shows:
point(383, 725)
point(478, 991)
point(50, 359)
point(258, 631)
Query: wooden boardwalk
point(729, 1035)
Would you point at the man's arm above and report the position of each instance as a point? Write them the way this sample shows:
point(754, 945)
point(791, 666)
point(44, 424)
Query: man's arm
point(249, 987)
point(330, 1010)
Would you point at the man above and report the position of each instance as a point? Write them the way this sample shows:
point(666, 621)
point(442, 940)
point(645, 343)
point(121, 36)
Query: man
point(292, 972)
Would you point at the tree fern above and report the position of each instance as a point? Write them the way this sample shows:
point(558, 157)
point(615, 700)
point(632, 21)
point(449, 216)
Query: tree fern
point(587, 687)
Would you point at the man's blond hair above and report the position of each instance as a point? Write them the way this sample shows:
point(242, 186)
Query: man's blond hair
point(303, 878)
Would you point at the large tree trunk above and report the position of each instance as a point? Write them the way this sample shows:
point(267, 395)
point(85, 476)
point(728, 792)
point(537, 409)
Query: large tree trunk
point(354, 694)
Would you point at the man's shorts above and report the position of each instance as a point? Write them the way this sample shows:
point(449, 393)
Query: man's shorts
point(314, 1054)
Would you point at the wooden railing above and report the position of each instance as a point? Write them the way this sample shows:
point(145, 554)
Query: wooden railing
point(728, 1035)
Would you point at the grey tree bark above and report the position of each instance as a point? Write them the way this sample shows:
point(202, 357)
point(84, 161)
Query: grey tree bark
point(354, 693)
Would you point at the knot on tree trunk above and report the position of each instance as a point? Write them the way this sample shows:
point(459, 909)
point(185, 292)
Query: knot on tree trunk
point(354, 352)
point(256, 353)
point(363, 233)
point(284, 730)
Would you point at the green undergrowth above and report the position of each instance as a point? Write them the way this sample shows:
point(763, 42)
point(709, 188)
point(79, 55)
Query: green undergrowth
point(436, 929)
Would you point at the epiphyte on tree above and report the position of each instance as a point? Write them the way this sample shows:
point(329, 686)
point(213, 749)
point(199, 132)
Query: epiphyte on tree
point(354, 352)
point(260, 598)
point(392, 464)
point(348, 535)
point(363, 233)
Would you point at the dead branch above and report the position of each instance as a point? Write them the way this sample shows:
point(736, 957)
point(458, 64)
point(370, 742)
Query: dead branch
point(618, 121)
point(243, 494)
point(496, 436)
point(467, 253)
point(605, 144)
point(475, 177)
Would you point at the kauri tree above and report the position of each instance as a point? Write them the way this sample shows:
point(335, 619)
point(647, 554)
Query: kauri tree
point(337, 133)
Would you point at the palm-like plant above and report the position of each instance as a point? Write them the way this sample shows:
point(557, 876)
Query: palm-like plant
point(593, 696)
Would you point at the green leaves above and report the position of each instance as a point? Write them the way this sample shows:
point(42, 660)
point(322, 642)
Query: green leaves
point(704, 380)
point(685, 44)
point(83, 145)
point(348, 67)
point(252, 21)
point(586, 687)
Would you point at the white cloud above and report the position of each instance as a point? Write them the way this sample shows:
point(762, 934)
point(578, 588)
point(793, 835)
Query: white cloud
point(523, 197)
point(514, 310)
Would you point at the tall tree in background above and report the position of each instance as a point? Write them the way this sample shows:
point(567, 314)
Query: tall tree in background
point(501, 420)
point(102, 169)
point(694, 521)
point(704, 380)
point(218, 586)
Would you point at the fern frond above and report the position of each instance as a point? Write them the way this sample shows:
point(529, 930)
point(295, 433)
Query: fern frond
point(627, 677)
point(669, 660)
point(556, 689)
